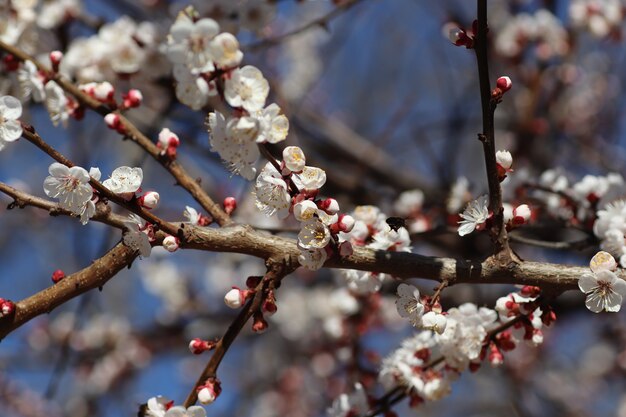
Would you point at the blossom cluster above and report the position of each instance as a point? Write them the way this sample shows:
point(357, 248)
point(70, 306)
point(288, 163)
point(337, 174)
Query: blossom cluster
point(467, 336)
point(372, 231)
point(600, 17)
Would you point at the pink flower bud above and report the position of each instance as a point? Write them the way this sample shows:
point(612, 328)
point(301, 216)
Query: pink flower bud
point(495, 356)
point(149, 200)
point(167, 138)
point(170, 243)
point(112, 120)
point(7, 307)
point(132, 99)
point(504, 84)
point(206, 395)
point(521, 214)
point(197, 346)
point(457, 36)
point(330, 206)
point(269, 306)
point(504, 159)
point(259, 325)
point(104, 91)
point(234, 298)
point(346, 223)
point(55, 59)
point(57, 276)
point(230, 204)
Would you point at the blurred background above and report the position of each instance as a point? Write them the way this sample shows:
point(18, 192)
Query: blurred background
point(378, 97)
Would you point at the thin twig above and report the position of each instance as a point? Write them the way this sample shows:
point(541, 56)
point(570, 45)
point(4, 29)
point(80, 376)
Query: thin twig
point(322, 21)
point(276, 271)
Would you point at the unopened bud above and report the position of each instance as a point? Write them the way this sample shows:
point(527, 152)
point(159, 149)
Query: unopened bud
point(112, 120)
point(330, 206)
point(230, 204)
point(505, 159)
point(132, 99)
point(504, 84)
point(521, 214)
point(167, 138)
point(104, 91)
point(259, 325)
point(495, 356)
point(208, 392)
point(149, 200)
point(197, 346)
point(171, 243)
point(346, 223)
point(7, 307)
point(269, 306)
point(55, 60)
point(234, 298)
point(57, 276)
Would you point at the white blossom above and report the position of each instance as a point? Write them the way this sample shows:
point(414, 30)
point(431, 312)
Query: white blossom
point(311, 178)
point(124, 181)
point(347, 405)
point(273, 125)
point(246, 88)
point(604, 289)
point(69, 185)
point(225, 51)
point(475, 215)
point(190, 43)
point(272, 195)
point(31, 82)
point(312, 259)
point(56, 103)
point(10, 127)
point(408, 304)
point(314, 234)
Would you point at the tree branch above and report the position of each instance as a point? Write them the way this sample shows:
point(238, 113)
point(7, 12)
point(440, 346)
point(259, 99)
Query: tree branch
point(276, 271)
point(93, 276)
point(487, 137)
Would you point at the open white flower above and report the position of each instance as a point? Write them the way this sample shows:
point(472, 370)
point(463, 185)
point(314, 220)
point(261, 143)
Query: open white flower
point(271, 193)
point(31, 82)
point(312, 259)
point(10, 127)
point(246, 88)
point(124, 181)
point(225, 50)
point(314, 234)
point(311, 178)
point(56, 103)
point(408, 304)
point(604, 289)
point(475, 215)
point(69, 185)
point(190, 42)
point(294, 158)
point(191, 89)
point(274, 126)
point(235, 142)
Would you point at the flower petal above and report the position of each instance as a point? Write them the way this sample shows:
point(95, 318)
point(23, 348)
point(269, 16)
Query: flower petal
point(587, 282)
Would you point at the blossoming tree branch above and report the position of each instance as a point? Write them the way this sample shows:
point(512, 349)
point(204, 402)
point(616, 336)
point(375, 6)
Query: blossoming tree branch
point(110, 77)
